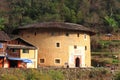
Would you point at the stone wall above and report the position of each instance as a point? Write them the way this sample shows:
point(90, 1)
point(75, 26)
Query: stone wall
point(84, 73)
point(57, 73)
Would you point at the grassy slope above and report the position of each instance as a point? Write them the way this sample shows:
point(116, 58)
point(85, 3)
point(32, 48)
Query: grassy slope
point(106, 53)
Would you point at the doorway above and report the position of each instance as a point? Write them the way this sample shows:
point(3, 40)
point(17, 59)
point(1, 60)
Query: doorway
point(13, 63)
point(77, 62)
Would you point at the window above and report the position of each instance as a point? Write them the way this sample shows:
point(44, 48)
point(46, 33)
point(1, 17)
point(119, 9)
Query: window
point(18, 42)
point(75, 47)
point(25, 50)
point(78, 34)
point(85, 47)
point(85, 36)
point(57, 44)
point(35, 33)
point(42, 60)
point(67, 34)
point(57, 61)
point(14, 50)
point(1, 45)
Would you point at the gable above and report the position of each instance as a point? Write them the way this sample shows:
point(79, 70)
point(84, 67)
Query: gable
point(3, 36)
point(20, 43)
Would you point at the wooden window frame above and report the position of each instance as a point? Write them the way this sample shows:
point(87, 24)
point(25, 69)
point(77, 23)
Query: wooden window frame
point(14, 50)
point(24, 51)
point(85, 48)
point(58, 44)
point(75, 46)
point(85, 36)
point(57, 59)
point(67, 34)
point(43, 60)
point(78, 35)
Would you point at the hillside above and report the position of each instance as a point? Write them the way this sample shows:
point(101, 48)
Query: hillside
point(105, 50)
point(102, 16)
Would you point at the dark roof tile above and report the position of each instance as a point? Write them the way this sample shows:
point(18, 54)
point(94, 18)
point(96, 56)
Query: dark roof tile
point(59, 25)
point(3, 36)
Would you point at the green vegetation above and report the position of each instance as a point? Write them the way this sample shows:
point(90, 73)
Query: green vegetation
point(30, 74)
point(36, 75)
point(117, 76)
point(55, 74)
point(105, 53)
point(103, 16)
point(105, 46)
point(2, 21)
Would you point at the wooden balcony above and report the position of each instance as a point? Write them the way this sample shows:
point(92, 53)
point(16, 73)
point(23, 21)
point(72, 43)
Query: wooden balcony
point(16, 55)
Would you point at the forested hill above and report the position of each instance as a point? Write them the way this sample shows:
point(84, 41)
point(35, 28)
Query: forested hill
point(101, 15)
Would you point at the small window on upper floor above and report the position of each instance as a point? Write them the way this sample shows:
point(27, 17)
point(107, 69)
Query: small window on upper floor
point(85, 47)
point(75, 46)
point(14, 50)
point(85, 36)
point(25, 51)
point(57, 61)
point(78, 34)
point(42, 60)
point(35, 33)
point(1, 45)
point(67, 34)
point(57, 44)
point(18, 42)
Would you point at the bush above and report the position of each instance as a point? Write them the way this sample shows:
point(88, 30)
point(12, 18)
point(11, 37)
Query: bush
point(45, 77)
point(117, 76)
point(56, 75)
point(36, 75)
point(8, 77)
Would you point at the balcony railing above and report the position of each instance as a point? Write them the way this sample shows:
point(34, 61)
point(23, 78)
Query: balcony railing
point(17, 55)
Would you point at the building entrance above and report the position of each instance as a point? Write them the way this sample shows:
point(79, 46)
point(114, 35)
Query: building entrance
point(77, 62)
point(13, 63)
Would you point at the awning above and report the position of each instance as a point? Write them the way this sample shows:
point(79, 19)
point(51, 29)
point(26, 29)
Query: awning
point(9, 46)
point(2, 56)
point(21, 59)
point(27, 61)
point(10, 58)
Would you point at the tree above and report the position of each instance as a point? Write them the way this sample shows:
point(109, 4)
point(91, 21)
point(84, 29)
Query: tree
point(2, 21)
point(86, 12)
point(112, 23)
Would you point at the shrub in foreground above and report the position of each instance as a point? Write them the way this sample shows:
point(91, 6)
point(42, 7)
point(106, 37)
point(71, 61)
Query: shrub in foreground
point(8, 77)
point(117, 76)
point(56, 75)
point(36, 75)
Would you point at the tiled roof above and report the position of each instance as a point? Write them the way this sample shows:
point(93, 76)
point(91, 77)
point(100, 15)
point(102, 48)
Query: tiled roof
point(58, 25)
point(25, 44)
point(20, 46)
point(3, 36)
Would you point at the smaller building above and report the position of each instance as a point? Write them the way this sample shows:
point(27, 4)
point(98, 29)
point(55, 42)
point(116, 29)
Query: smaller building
point(3, 45)
point(21, 54)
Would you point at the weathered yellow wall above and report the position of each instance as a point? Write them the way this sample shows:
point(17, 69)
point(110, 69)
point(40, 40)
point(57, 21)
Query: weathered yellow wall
point(30, 55)
point(47, 49)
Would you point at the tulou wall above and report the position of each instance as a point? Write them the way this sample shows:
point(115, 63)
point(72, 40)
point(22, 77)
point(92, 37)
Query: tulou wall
point(59, 47)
